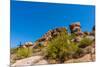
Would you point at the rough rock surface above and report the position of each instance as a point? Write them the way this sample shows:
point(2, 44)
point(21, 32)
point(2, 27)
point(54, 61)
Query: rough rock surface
point(30, 61)
point(85, 58)
point(49, 35)
point(52, 33)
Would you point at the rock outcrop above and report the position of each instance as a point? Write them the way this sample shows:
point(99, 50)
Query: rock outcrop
point(52, 33)
point(74, 28)
point(46, 37)
point(49, 35)
point(28, 44)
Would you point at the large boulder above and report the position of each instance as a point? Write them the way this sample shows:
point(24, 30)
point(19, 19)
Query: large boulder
point(75, 27)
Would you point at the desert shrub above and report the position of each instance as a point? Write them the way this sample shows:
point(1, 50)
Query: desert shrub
point(13, 50)
point(73, 35)
point(78, 53)
point(24, 52)
point(85, 42)
point(72, 50)
point(60, 48)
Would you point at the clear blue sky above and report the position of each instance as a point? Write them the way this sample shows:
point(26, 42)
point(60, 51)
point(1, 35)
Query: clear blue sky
point(30, 20)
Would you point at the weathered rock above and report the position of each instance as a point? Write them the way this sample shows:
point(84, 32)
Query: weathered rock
point(93, 31)
point(34, 60)
point(41, 62)
point(49, 35)
point(90, 37)
point(87, 33)
point(77, 39)
point(52, 33)
point(93, 28)
point(85, 58)
point(75, 27)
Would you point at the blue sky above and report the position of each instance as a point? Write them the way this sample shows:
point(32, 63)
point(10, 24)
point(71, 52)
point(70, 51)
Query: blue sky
point(31, 20)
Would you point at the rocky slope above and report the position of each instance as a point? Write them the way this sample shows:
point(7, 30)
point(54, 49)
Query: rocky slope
point(49, 35)
point(34, 60)
point(38, 58)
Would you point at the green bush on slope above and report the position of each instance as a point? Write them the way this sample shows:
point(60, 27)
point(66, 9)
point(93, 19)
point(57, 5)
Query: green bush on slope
point(13, 50)
point(60, 48)
point(24, 52)
point(85, 42)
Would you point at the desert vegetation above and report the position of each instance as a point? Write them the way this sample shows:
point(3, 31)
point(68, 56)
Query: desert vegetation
point(62, 48)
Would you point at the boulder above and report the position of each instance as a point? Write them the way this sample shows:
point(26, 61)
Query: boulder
point(75, 27)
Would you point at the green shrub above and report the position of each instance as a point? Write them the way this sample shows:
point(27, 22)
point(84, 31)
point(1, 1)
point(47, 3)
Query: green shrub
point(78, 53)
point(24, 52)
point(60, 48)
point(13, 50)
point(85, 42)
point(73, 35)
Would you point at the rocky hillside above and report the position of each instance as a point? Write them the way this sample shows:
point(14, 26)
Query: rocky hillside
point(57, 46)
point(50, 35)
